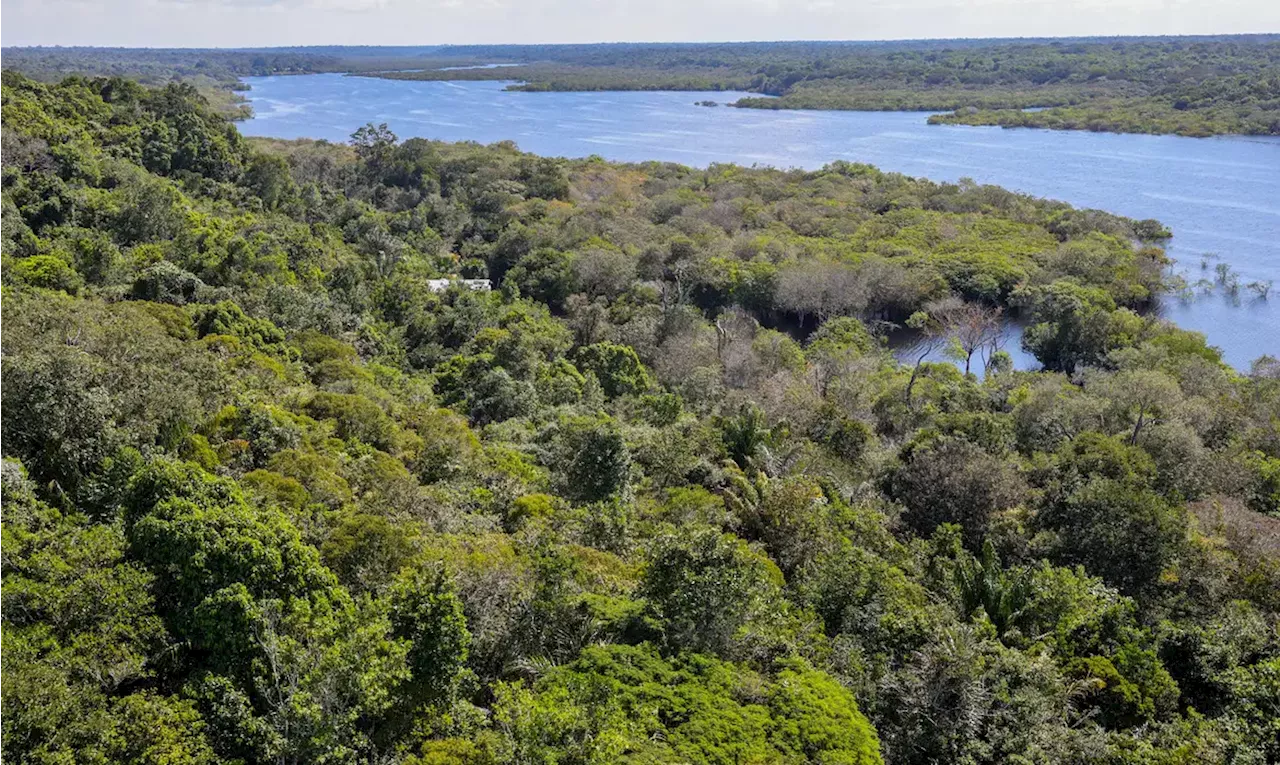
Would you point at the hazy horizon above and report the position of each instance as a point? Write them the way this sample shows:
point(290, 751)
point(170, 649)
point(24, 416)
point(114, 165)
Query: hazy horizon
point(742, 41)
point(296, 23)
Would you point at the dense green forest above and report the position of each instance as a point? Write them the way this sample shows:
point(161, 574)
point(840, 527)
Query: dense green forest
point(662, 495)
point(160, 65)
point(215, 73)
point(1189, 86)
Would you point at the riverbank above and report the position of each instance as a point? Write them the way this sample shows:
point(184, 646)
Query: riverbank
point(1211, 193)
point(1189, 86)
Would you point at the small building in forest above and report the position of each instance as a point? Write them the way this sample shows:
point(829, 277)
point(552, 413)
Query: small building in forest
point(440, 285)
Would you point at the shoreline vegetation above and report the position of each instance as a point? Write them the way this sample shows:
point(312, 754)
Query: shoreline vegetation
point(660, 495)
point(1191, 86)
point(1184, 86)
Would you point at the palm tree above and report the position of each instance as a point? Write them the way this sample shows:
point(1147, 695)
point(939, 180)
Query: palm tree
point(984, 584)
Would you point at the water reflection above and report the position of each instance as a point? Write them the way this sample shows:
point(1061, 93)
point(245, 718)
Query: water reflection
point(908, 345)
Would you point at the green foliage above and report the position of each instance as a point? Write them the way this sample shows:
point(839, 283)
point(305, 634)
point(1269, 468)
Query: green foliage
point(744, 435)
point(819, 720)
point(48, 271)
point(627, 703)
point(1074, 326)
point(354, 417)
point(285, 497)
point(204, 539)
point(1256, 694)
point(955, 481)
point(1264, 488)
point(841, 335)
point(714, 594)
point(983, 584)
point(616, 367)
point(1129, 536)
point(1128, 689)
point(67, 430)
point(427, 612)
point(592, 456)
point(158, 730)
point(227, 318)
point(366, 551)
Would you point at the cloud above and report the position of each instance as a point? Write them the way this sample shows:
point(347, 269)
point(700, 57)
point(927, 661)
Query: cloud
point(298, 5)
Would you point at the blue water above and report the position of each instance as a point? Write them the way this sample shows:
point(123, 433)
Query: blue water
point(1219, 195)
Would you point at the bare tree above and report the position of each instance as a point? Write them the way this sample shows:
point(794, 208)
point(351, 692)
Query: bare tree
point(932, 336)
point(604, 272)
point(736, 332)
point(973, 328)
point(934, 327)
point(821, 290)
point(589, 319)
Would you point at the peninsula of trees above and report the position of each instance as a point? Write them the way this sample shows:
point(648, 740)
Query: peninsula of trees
point(1195, 86)
point(662, 495)
point(1188, 86)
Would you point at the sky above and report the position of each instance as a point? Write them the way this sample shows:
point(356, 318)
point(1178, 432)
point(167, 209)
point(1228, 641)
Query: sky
point(260, 23)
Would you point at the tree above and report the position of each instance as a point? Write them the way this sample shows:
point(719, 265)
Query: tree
point(426, 611)
point(790, 516)
point(744, 435)
point(984, 584)
point(626, 702)
point(354, 416)
point(838, 348)
point(713, 594)
point(165, 282)
point(821, 290)
point(1074, 326)
point(604, 273)
point(545, 275)
point(367, 551)
point(1255, 706)
point(67, 428)
point(974, 328)
point(200, 141)
point(931, 335)
point(283, 662)
point(617, 367)
point(374, 144)
point(587, 318)
point(80, 625)
point(840, 335)
point(1129, 536)
point(819, 719)
point(966, 697)
point(1142, 395)
point(590, 457)
point(954, 481)
point(49, 272)
point(158, 730)
point(269, 177)
point(482, 389)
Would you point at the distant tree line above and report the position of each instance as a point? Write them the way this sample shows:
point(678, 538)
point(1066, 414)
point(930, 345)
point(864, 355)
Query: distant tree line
point(1195, 86)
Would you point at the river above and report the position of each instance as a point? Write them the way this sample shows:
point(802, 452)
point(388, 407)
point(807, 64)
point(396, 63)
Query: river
point(1220, 196)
